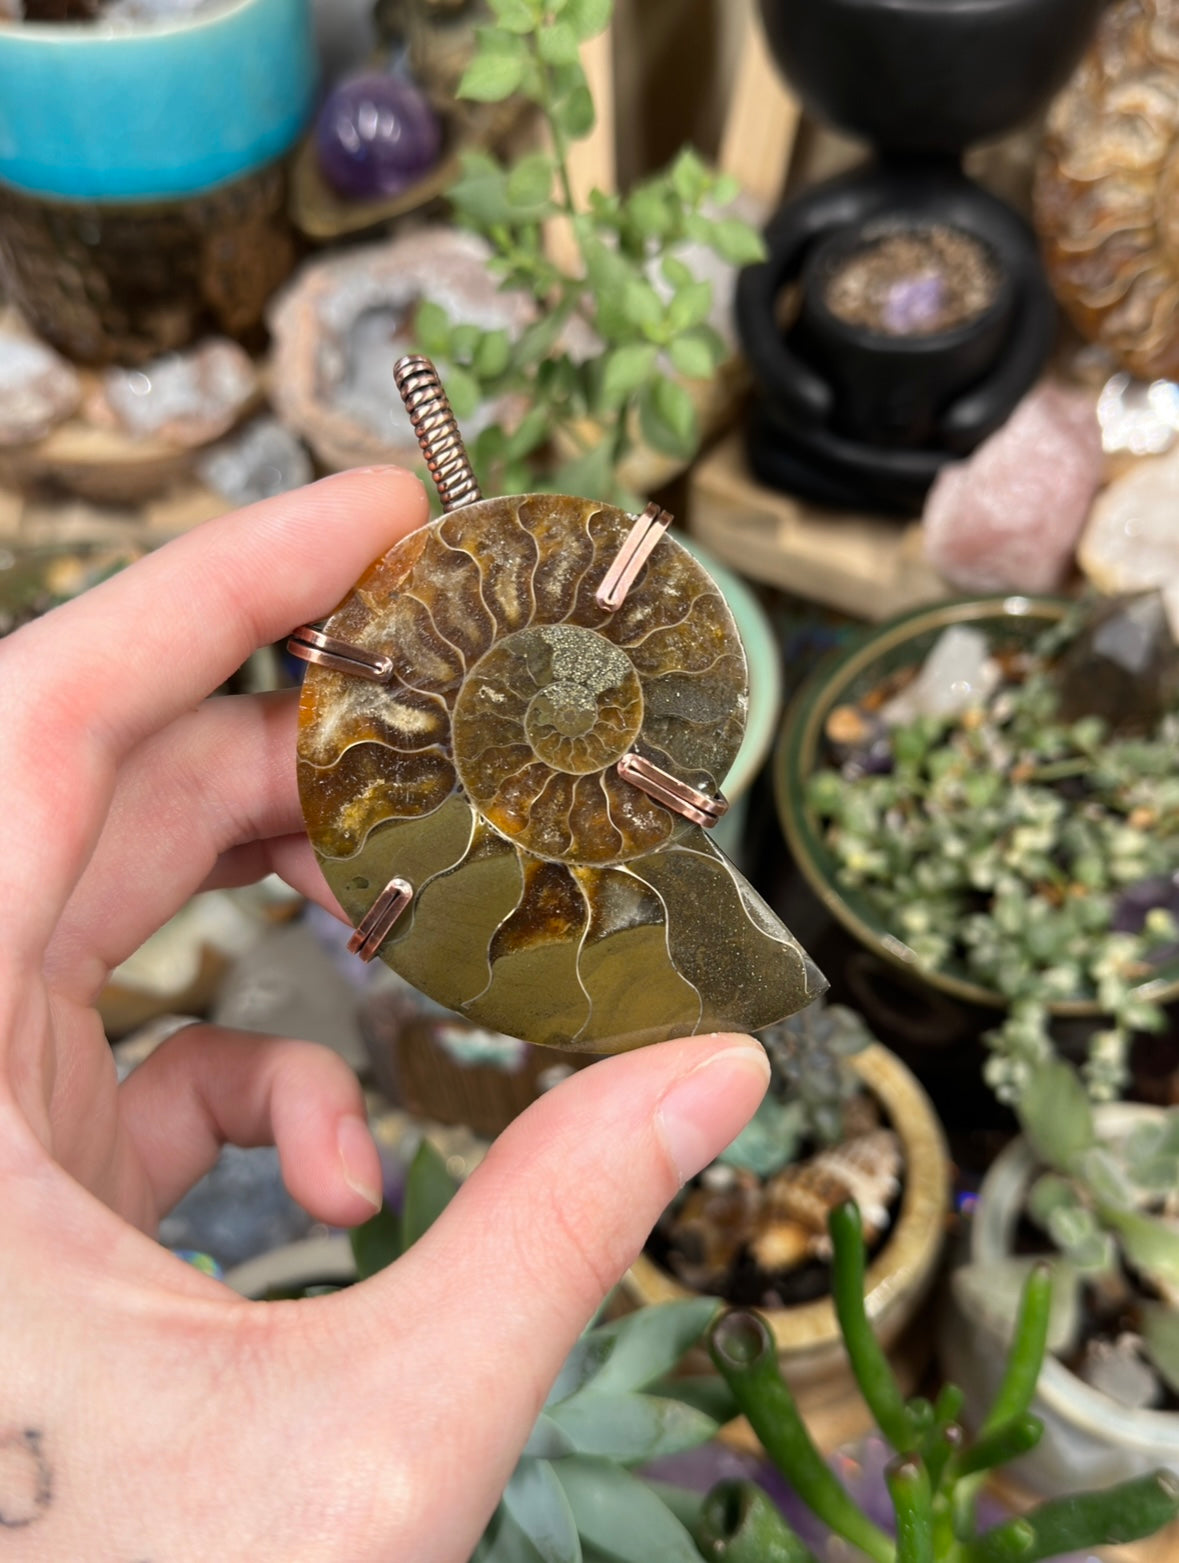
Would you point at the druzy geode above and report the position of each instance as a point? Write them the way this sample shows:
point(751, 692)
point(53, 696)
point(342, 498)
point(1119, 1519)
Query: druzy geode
point(553, 900)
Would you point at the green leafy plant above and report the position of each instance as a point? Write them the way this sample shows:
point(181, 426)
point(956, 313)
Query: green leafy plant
point(1106, 1204)
point(998, 845)
point(937, 1469)
point(615, 334)
point(614, 1405)
point(810, 1084)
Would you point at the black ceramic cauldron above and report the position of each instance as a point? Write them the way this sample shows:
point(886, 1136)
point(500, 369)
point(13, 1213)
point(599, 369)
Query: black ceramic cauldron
point(921, 79)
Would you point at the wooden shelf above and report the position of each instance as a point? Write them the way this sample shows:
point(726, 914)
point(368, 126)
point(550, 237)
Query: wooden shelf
point(867, 566)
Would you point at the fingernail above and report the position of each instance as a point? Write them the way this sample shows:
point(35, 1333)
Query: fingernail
point(357, 1157)
point(705, 1110)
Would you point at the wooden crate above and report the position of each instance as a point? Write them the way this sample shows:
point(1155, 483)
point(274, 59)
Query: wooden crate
point(867, 566)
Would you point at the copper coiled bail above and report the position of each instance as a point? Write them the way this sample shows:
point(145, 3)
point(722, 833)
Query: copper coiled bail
point(328, 651)
point(378, 922)
point(674, 794)
point(437, 431)
point(636, 549)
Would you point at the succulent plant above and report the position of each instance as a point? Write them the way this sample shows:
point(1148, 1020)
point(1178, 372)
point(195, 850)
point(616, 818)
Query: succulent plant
point(1014, 842)
point(935, 1476)
point(619, 326)
point(810, 1084)
point(1109, 1205)
point(614, 1405)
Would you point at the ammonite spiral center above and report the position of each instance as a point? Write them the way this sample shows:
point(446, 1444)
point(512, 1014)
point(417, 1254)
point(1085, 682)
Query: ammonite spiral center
point(554, 695)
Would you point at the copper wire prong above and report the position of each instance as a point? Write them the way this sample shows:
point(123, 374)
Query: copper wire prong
point(632, 556)
point(378, 922)
point(437, 431)
point(327, 651)
point(699, 807)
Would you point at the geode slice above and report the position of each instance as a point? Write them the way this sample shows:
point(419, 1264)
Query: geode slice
point(346, 320)
point(37, 389)
point(185, 399)
point(1131, 542)
point(262, 460)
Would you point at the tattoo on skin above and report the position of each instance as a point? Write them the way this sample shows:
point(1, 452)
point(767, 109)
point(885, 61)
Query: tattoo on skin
point(26, 1480)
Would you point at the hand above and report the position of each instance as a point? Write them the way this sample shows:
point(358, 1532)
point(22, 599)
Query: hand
point(147, 1415)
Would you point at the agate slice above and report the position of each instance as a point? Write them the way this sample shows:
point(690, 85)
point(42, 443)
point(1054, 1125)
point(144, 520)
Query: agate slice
point(552, 899)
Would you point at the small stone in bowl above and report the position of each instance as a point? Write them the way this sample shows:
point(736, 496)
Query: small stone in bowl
point(376, 135)
point(913, 283)
point(186, 399)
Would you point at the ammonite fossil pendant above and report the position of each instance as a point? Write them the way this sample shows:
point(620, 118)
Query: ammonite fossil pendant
point(511, 741)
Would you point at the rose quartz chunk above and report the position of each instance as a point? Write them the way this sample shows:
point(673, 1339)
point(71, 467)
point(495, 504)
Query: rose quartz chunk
point(1008, 519)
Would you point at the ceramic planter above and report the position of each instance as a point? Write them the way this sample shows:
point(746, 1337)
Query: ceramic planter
point(810, 1346)
point(1089, 1440)
point(317, 1261)
point(920, 80)
point(142, 196)
point(927, 75)
point(891, 388)
point(909, 1006)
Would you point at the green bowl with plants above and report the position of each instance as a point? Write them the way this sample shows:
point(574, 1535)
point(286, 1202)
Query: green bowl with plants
point(989, 853)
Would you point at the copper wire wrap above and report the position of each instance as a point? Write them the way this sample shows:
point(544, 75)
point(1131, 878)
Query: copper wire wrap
point(380, 919)
point(632, 556)
point(310, 644)
point(671, 792)
point(437, 431)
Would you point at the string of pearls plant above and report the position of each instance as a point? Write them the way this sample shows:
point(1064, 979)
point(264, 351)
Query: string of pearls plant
point(1001, 844)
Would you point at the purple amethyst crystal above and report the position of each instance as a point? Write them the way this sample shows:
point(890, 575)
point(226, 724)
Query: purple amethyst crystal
point(376, 135)
point(914, 305)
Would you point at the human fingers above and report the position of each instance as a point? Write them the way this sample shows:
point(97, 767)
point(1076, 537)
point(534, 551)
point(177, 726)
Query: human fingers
point(291, 857)
point(82, 686)
point(490, 1301)
point(218, 777)
point(208, 1086)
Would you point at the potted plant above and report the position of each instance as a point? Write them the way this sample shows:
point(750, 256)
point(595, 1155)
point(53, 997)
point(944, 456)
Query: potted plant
point(980, 792)
point(142, 194)
point(843, 1115)
point(1093, 1190)
point(623, 353)
point(615, 1405)
point(934, 1477)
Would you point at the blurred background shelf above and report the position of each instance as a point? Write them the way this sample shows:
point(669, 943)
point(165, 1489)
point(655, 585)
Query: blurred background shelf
point(866, 566)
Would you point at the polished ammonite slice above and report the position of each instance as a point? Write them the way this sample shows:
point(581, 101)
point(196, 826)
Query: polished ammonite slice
point(546, 895)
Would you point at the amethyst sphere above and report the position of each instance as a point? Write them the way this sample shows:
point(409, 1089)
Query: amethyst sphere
point(376, 135)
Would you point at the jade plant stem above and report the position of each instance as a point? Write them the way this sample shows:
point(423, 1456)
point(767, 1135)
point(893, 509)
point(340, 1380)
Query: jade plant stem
point(743, 1350)
point(868, 1361)
point(1027, 1352)
point(1006, 1443)
point(739, 1524)
point(908, 1483)
point(1018, 1388)
point(1128, 1512)
point(573, 287)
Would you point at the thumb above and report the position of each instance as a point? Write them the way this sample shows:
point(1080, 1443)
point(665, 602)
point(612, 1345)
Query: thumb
point(495, 1294)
